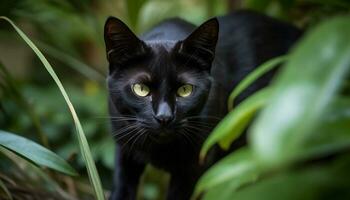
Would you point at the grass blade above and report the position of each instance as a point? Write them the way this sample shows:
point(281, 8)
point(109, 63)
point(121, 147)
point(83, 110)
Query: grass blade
point(83, 144)
point(235, 122)
point(34, 152)
point(253, 76)
point(6, 191)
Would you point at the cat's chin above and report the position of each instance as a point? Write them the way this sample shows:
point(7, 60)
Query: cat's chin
point(163, 136)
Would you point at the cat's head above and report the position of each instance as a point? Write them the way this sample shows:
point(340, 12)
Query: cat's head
point(160, 87)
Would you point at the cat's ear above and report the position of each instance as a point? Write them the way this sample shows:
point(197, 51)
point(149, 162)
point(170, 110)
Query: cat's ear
point(201, 43)
point(121, 43)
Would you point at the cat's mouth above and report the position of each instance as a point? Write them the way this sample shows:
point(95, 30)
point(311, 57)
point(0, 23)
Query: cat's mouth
point(163, 135)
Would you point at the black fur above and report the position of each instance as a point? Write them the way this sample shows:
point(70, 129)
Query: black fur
point(174, 53)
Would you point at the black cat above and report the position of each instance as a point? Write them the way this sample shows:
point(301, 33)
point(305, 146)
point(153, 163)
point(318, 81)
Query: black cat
point(168, 90)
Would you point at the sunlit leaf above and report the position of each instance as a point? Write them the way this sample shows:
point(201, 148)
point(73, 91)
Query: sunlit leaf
point(303, 92)
point(319, 182)
point(333, 133)
point(233, 125)
point(253, 76)
point(236, 169)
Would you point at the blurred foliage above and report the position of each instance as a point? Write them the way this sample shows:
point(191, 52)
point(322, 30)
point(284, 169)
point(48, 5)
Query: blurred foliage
point(69, 32)
point(304, 120)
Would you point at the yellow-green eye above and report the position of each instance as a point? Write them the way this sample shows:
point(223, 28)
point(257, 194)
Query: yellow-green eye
point(140, 89)
point(185, 90)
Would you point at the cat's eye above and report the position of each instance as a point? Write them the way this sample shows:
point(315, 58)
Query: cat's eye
point(140, 89)
point(185, 90)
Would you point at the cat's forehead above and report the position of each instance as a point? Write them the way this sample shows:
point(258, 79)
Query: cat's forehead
point(161, 66)
point(161, 46)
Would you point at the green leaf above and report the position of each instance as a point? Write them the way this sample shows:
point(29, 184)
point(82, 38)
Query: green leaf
point(34, 152)
point(329, 181)
point(253, 76)
point(134, 9)
point(225, 178)
point(234, 170)
point(333, 134)
point(225, 190)
point(302, 92)
point(235, 122)
point(83, 144)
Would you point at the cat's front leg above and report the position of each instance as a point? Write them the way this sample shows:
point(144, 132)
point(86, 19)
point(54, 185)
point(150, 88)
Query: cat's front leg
point(126, 177)
point(181, 186)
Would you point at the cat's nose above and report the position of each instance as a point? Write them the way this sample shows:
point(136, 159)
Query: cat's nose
point(164, 119)
point(164, 114)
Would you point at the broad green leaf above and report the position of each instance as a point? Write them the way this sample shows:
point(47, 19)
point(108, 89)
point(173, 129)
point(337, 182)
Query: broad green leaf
point(83, 144)
point(253, 76)
point(331, 137)
point(302, 92)
point(236, 169)
point(330, 181)
point(235, 122)
point(34, 152)
point(225, 190)
point(333, 134)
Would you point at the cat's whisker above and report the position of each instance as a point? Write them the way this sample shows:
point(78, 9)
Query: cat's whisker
point(139, 134)
point(124, 120)
point(200, 130)
point(144, 140)
point(132, 137)
point(199, 127)
point(203, 117)
point(122, 129)
point(194, 132)
point(125, 129)
point(186, 137)
point(145, 125)
point(108, 117)
point(127, 133)
point(108, 120)
point(203, 124)
point(201, 121)
point(190, 135)
point(124, 116)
